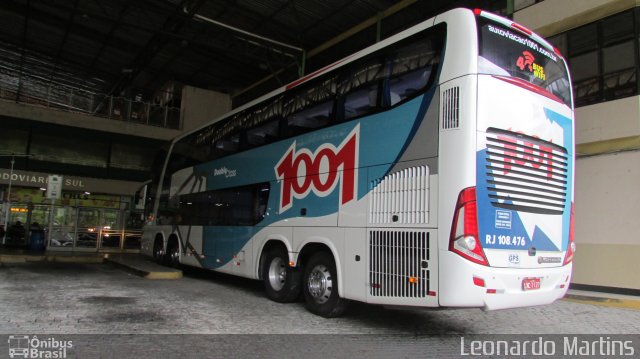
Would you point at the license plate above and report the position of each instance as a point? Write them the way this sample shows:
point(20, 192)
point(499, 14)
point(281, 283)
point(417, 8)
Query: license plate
point(530, 284)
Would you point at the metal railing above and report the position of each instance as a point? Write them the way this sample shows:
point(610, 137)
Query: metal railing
point(74, 100)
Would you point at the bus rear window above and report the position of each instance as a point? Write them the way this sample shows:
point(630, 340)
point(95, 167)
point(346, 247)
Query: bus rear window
point(506, 52)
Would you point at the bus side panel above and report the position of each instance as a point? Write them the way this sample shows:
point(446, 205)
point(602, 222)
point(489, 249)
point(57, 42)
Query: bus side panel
point(190, 244)
point(354, 263)
point(400, 240)
point(223, 243)
point(460, 59)
point(457, 167)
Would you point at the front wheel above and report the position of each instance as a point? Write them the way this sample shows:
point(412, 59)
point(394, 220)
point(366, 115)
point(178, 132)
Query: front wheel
point(320, 284)
point(281, 282)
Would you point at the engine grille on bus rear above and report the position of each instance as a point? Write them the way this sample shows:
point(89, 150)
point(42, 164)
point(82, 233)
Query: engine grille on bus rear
point(398, 264)
point(525, 173)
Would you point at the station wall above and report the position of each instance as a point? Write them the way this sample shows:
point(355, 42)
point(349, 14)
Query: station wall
point(607, 195)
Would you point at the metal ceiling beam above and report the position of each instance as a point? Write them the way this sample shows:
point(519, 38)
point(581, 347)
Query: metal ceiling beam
point(247, 33)
point(263, 19)
point(363, 25)
point(109, 35)
point(174, 22)
point(296, 15)
point(325, 18)
point(55, 21)
point(23, 48)
point(56, 59)
point(223, 55)
point(337, 39)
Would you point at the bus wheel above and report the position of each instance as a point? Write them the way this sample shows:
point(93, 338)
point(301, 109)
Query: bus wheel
point(281, 282)
point(321, 287)
point(158, 251)
point(173, 253)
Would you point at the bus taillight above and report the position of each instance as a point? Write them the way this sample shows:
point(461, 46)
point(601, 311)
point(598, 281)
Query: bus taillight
point(464, 238)
point(522, 29)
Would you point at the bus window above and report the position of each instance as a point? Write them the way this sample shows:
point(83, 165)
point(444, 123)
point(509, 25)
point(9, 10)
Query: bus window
point(238, 206)
point(360, 88)
point(310, 119)
point(227, 145)
point(504, 52)
point(310, 107)
point(407, 85)
point(263, 134)
point(413, 67)
point(361, 102)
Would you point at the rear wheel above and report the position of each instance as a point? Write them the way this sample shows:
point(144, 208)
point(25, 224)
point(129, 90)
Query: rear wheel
point(158, 251)
point(320, 283)
point(281, 282)
point(173, 253)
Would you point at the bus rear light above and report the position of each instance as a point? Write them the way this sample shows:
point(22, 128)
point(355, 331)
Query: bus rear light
point(492, 291)
point(464, 229)
point(478, 281)
point(555, 49)
point(529, 86)
point(477, 12)
point(521, 29)
point(571, 248)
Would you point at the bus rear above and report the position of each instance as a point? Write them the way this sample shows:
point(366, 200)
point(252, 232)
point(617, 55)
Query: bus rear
point(511, 239)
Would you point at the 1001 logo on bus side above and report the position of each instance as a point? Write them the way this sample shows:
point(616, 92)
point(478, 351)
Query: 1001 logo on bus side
point(301, 171)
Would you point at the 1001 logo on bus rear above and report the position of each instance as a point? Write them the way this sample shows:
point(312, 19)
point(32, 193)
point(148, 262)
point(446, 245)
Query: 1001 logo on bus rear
point(301, 171)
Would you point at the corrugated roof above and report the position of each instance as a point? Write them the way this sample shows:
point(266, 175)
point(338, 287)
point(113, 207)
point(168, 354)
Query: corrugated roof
point(137, 47)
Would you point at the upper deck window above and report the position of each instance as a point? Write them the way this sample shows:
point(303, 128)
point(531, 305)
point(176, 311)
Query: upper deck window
point(507, 52)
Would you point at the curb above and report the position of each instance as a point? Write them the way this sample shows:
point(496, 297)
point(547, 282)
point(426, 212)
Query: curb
point(130, 267)
point(605, 302)
point(166, 274)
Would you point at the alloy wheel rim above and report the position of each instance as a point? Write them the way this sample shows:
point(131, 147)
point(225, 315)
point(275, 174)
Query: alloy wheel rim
point(320, 284)
point(277, 274)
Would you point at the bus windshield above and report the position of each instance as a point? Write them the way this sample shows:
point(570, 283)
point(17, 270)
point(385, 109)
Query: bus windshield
point(505, 52)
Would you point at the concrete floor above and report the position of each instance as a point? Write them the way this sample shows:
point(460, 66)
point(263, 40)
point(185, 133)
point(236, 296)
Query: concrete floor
point(106, 301)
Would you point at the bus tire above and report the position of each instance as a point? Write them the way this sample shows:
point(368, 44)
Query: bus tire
point(158, 251)
point(281, 282)
point(173, 253)
point(320, 286)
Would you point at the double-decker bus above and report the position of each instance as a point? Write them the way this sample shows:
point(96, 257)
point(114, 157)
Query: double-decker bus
point(434, 168)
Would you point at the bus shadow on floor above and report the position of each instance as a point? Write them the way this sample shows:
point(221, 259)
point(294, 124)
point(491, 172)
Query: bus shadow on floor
point(414, 321)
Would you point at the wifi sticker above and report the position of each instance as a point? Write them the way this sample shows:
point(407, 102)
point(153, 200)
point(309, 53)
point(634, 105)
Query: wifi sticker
point(526, 60)
point(538, 71)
